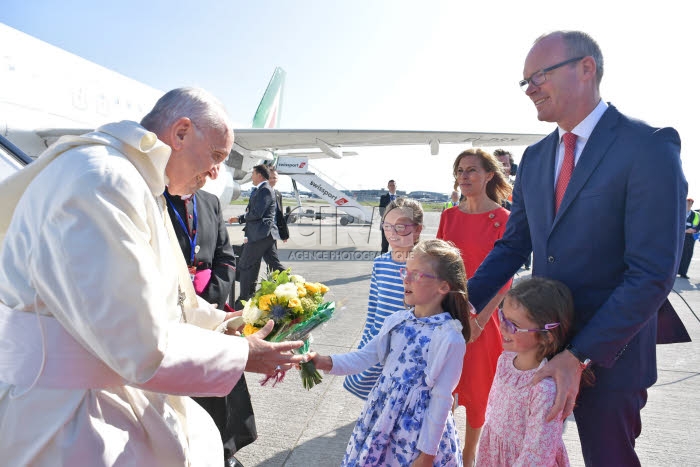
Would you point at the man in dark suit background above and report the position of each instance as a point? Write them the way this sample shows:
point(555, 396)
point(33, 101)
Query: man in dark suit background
point(619, 262)
point(260, 231)
point(384, 201)
point(199, 226)
point(280, 220)
point(692, 224)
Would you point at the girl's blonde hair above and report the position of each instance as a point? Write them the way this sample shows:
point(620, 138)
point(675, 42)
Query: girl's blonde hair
point(447, 263)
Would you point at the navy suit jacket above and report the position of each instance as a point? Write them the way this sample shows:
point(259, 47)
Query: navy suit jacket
point(260, 215)
point(615, 241)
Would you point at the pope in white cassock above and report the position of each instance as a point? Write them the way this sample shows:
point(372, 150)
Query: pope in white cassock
point(101, 333)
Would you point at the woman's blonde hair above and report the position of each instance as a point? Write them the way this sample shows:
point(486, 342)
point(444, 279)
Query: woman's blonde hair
point(498, 188)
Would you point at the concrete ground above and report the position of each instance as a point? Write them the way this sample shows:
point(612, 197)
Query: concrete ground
point(299, 428)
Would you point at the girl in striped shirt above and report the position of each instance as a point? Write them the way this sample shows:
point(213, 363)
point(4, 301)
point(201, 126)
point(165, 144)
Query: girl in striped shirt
point(402, 224)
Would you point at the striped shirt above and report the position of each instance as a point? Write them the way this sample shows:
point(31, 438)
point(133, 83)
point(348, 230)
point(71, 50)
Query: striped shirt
point(385, 298)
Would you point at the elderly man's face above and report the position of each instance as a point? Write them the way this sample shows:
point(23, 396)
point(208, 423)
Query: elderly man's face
point(273, 178)
point(196, 153)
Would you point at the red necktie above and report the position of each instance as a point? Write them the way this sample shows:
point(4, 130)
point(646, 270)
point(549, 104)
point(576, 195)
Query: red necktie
point(567, 168)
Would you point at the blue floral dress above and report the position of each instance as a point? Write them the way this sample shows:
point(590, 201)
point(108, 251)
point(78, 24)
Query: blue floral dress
point(409, 408)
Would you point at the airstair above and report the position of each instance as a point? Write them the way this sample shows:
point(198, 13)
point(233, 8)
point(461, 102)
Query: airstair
point(342, 205)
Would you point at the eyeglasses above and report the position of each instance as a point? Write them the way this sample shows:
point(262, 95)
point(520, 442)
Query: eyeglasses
point(539, 77)
point(400, 229)
point(414, 276)
point(512, 328)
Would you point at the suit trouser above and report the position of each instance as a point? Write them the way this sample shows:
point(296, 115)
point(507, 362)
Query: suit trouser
point(687, 255)
point(249, 265)
point(609, 423)
point(271, 258)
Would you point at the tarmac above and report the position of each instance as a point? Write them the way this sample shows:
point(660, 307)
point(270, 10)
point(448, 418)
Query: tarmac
point(300, 428)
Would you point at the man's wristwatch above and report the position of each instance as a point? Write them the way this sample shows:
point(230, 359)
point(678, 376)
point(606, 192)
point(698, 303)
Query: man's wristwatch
point(583, 361)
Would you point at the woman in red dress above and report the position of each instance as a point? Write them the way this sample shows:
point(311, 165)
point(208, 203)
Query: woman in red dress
point(474, 226)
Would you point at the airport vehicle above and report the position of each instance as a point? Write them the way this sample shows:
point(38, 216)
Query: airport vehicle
point(48, 92)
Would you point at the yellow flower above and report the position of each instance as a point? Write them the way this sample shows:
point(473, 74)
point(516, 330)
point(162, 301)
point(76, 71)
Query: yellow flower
point(301, 291)
point(312, 288)
point(323, 288)
point(265, 302)
point(294, 304)
point(250, 329)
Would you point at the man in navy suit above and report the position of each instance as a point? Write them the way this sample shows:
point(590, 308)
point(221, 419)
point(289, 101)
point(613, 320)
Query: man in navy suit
point(260, 231)
point(615, 240)
point(384, 201)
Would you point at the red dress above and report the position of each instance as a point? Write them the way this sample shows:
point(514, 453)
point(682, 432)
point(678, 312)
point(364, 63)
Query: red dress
point(474, 235)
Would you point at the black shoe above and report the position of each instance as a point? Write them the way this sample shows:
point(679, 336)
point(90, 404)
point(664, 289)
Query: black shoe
point(685, 276)
point(233, 462)
point(527, 268)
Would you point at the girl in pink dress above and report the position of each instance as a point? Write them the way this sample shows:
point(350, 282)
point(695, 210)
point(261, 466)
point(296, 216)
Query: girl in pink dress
point(535, 324)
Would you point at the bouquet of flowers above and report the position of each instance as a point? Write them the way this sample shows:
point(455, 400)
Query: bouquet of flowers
point(296, 307)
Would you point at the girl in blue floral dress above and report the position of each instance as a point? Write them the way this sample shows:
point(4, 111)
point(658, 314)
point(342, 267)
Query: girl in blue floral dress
point(407, 419)
point(402, 224)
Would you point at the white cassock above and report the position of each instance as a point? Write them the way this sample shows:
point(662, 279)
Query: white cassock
point(95, 353)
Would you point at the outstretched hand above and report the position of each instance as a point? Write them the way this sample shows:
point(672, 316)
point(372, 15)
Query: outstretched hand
point(270, 357)
point(565, 370)
point(322, 362)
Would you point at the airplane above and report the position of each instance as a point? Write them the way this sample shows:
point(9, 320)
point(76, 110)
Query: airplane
point(47, 92)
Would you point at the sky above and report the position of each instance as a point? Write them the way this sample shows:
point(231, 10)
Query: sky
point(404, 65)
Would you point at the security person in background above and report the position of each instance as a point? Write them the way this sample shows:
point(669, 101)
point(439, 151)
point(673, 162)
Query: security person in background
point(692, 221)
point(453, 201)
point(384, 201)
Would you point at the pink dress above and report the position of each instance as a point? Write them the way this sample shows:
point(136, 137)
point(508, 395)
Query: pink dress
point(516, 434)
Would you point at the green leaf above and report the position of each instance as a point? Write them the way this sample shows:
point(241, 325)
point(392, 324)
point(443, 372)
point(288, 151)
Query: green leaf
point(267, 287)
point(283, 277)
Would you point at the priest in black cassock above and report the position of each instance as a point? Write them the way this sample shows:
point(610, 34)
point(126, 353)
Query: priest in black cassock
point(203, 238)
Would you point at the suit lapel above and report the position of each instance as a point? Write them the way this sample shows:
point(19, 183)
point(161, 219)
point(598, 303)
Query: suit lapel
point(550, 152)
point(596, 148)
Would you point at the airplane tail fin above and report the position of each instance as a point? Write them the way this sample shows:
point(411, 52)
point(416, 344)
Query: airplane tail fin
point(270, 107)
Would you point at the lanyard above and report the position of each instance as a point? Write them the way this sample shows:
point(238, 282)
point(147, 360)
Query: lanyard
point(193, 240)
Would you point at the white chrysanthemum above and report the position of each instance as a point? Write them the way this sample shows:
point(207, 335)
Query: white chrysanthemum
point(251, 313)
point(286, 291)
point(297, 279)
